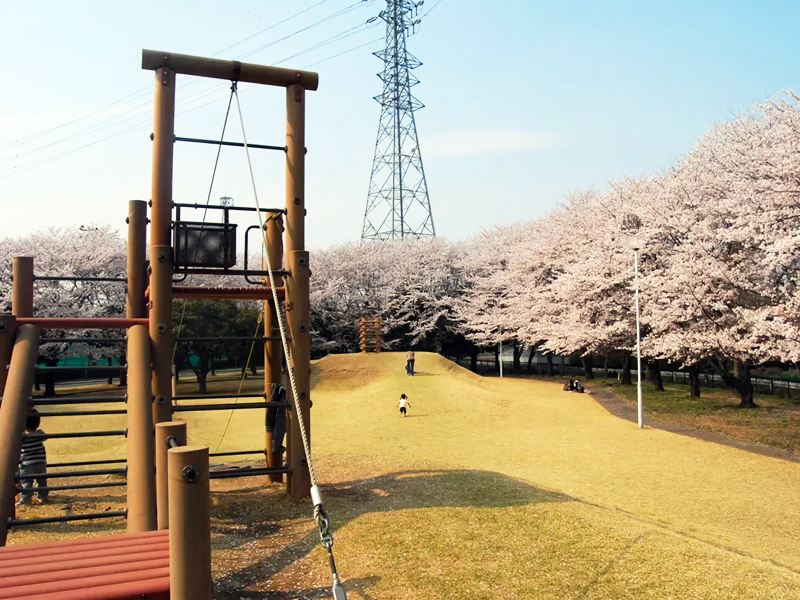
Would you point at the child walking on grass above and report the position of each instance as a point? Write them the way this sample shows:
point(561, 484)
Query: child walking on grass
point(33, 461)
point(403, 404)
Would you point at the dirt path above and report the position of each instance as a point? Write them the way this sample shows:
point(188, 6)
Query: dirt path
point(624, 410)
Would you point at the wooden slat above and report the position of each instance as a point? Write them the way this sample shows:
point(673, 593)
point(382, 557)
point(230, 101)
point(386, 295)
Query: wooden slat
point(65, 585)
point(115, 567)
point(56, 555)
point(151, 589)
point(105, 541)
point(36, 567)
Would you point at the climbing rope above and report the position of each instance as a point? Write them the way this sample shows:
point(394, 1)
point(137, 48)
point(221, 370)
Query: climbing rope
point(320, 514)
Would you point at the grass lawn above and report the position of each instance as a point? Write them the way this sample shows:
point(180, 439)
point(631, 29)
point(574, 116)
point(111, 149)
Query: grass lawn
point(488, 489)
point(775, 423)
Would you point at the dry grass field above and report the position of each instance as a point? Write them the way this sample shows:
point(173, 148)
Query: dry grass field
point(488, 489)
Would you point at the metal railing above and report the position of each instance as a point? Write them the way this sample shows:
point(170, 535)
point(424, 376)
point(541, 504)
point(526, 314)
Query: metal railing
point(761, 385)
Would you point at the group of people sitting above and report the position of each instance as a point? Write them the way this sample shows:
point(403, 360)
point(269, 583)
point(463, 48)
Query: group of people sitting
point(573, 386)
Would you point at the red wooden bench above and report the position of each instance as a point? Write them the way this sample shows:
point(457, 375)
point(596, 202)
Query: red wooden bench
point(116, 567)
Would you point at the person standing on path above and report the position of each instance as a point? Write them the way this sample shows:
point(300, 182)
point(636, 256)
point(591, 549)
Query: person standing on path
point(403, 404)
point(410, 362)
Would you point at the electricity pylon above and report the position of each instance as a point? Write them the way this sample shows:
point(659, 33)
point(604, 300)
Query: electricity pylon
point(397, 203)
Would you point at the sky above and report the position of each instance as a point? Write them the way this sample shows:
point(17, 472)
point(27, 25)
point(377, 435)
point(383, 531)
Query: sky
point(525, 101)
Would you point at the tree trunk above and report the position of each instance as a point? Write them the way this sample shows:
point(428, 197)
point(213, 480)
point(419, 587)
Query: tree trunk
point(741, 371)
point(549, 364)
point(110, 373)
point(50, 377)
point(516, 366)
point(202, 386)
point(654, 374)
point(531, 355)
point(626, 370)
point(253, 369)
point(497, 359)
point(587, 366)
point(605, 366)
point(123, 374)
point(694, 380)
point(473, 360)
point(740, 380)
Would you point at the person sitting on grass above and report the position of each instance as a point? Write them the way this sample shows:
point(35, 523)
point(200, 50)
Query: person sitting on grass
point(567, 386)
point(576, 387)
point(33, 461)
point(403, 404)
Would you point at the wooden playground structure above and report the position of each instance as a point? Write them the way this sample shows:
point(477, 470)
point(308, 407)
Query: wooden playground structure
point(167, 481)
point(370, 334)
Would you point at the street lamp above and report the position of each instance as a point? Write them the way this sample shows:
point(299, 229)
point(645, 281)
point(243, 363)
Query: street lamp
point(636, 245)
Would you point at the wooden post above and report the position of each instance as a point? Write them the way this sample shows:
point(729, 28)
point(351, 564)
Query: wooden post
point(190, 524)
point(13, 416)
point(8, 327)
point(141, 454)
point(161, 259)
point(22, 286)
point(135, 305)
point(297, 284)
point(273, 350)
point(176, 429)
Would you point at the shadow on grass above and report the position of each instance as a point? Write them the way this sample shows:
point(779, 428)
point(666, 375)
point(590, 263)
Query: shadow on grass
point(347, 501)
point(357, 586)
point(415, 416)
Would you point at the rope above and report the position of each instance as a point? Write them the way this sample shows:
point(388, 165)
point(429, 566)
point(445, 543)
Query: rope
point(208, 201)
point(281, 325)
point(241, 382)
point(320, 515)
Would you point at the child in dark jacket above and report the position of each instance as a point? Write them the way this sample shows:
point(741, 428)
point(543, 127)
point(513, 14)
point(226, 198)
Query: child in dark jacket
point(33, 461)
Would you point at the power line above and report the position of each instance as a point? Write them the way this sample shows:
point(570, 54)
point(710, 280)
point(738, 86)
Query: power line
point(247, 39)
point(133, 96)
point(320, 22)
point(113, 121)
point(330, 40)
point(380, 39)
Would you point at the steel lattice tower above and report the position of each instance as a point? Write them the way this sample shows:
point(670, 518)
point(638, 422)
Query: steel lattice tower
point(398, 204)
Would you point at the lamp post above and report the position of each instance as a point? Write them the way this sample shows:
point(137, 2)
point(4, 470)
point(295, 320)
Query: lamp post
point(636, 245)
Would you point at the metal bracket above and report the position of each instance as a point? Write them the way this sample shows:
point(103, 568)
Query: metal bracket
point(165, 71)
point(298, 88)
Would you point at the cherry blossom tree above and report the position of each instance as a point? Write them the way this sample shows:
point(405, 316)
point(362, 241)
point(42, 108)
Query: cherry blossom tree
point(97, 251)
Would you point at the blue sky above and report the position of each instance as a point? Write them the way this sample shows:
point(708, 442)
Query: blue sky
point(525, 101)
